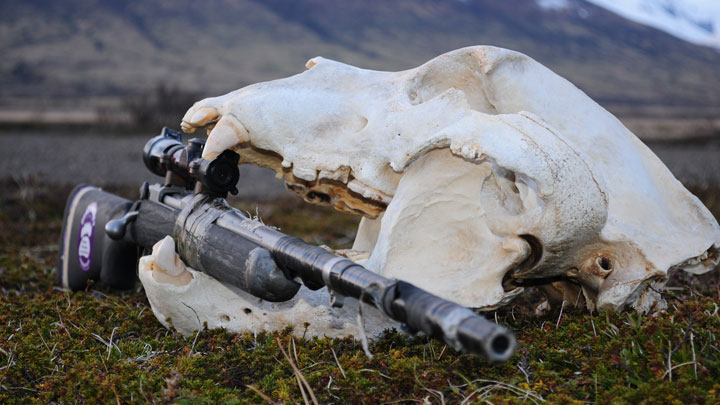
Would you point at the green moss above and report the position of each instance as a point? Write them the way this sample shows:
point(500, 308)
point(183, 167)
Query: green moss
point(55, 345)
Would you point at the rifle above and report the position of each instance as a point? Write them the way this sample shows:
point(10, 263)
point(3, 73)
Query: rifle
point(103, 236)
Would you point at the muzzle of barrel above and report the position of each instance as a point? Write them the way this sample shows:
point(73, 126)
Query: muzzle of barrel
point(497, 344)
point(456, 325)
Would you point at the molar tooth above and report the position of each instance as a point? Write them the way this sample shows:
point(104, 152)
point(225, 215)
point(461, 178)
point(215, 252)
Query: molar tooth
point(305, 174)
point(342, 174)
point(228, 132)
point(369, 192)
point(296, 187)
point(286, 164)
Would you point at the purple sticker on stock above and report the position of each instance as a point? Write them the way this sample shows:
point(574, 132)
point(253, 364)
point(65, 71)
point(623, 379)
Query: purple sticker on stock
point(85, 241)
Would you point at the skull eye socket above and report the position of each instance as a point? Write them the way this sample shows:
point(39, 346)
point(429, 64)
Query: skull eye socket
point(604, 263)
point(536, 251)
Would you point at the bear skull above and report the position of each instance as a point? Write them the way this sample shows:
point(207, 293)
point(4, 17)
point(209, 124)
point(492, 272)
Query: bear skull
point(476, 173)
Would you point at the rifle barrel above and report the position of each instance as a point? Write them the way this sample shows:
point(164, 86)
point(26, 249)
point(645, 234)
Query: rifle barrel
point(420, 310)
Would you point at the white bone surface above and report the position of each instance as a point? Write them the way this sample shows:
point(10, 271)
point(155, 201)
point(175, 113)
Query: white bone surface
point(475, 172)
point(200, 299)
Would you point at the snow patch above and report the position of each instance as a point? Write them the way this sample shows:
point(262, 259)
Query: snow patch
point(553, 4)
point(695, 21)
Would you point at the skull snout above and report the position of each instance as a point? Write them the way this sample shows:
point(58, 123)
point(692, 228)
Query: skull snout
point(619, 276)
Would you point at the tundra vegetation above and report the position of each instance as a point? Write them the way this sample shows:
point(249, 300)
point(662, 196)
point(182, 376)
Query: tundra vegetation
point(102, 346)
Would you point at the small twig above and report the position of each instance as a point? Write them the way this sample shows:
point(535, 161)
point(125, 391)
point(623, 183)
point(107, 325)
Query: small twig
point(492, 385)
point(692, 345)
point(103, 361)
point(262, 394)
point(562, 306)
point(437, 393)
point(596, 390)
point(297, 361)
point(669, 371)
point(298, 374)
point(10, 361)
point(669, 362)
point(192, 349)
point(527, 377)
point(62, 323)
point(361, 328)
point(43, 340)
point(375, 371)
point(337, 362)
point(302, 390)
point(442, 352)
point(110, 344)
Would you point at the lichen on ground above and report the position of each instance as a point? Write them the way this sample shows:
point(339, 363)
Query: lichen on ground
point(104, 346)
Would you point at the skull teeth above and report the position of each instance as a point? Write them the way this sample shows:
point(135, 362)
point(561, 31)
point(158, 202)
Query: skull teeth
point(228, 133)
point(196, 118)
point(165, 257)
point(369, 192)
point(165, 264)
point(342, 174)
point(305, 174)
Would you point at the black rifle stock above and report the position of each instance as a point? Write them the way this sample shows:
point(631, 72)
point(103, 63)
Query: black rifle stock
point(212, 237)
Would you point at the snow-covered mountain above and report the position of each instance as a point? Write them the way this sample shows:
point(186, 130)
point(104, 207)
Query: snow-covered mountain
point(696, 21)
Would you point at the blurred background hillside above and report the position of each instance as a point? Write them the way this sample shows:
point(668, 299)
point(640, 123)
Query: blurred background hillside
point(107, 67)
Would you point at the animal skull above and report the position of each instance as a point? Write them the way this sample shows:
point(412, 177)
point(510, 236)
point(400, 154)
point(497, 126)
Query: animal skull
point(476, 173)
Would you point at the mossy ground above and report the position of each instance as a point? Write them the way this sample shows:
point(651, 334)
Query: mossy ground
point(102, 346)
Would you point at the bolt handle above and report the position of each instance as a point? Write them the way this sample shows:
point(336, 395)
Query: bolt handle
point(116, 228)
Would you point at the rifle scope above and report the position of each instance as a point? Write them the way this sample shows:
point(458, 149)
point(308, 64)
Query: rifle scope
point(166, 155)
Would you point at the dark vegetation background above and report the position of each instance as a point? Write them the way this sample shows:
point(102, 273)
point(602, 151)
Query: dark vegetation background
point(84, 83)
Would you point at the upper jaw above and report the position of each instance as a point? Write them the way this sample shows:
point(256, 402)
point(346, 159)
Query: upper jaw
point(337, 187)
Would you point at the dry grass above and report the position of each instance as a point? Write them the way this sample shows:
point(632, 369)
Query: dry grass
point(101, 346)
